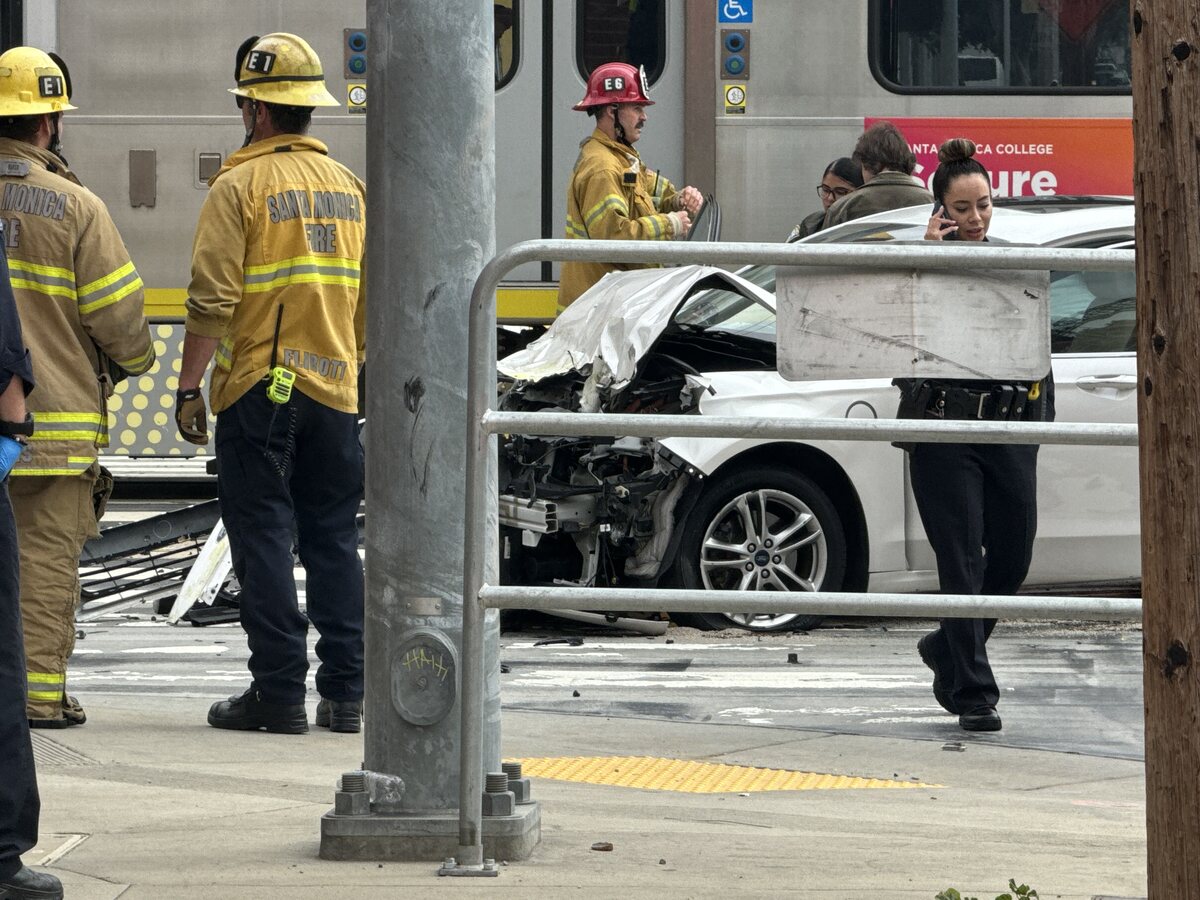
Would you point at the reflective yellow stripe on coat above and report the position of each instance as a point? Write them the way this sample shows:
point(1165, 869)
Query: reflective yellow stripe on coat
point(46, 686)
point(301, 270)
point(76, 465)
point(49, 280)
point(68, 426)
point(108, 290)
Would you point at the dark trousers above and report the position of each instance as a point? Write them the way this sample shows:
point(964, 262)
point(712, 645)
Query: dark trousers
point(975, 498)
point(19, 802)
point(294, 472)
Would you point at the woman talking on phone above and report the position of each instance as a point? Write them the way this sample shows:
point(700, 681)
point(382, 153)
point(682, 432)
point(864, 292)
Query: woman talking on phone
point(978, 502)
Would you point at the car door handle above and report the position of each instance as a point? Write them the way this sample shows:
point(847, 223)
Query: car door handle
point(1117, 382)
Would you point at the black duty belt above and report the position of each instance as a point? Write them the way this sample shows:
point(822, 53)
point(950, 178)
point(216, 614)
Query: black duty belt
point(998, 403)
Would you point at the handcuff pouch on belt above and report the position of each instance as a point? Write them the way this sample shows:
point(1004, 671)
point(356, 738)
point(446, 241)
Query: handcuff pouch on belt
point(999, 402)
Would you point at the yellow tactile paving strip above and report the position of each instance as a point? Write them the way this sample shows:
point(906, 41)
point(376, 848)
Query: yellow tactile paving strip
point(687, 776)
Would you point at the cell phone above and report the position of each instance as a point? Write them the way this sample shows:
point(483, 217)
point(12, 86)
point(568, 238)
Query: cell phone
point(939, 210)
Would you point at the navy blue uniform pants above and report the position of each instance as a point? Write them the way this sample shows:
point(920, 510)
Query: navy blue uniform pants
point(294, 473)
point(978, 503)
point(19, 802)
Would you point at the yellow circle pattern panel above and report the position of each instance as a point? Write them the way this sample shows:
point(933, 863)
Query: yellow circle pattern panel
point(132, 428)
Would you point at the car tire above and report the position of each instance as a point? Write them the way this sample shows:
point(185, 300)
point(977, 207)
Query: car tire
point(715, 551)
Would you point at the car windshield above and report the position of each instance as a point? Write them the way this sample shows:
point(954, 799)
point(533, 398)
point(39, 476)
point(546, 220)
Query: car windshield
point(1081, 322)
point(721, 309)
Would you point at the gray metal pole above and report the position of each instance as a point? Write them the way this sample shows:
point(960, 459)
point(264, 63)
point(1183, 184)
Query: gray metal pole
point(432, 661)
point(431, 227)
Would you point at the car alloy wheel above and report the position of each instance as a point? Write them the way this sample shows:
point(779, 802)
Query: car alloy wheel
point(763, 530)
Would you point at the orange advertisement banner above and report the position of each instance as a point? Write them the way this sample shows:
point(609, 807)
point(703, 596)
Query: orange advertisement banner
point(1033, 157)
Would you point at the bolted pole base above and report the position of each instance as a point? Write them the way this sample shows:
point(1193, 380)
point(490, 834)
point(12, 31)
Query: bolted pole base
point(426, 837)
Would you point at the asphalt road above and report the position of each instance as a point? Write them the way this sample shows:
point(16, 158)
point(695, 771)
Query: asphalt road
point(1066, 687)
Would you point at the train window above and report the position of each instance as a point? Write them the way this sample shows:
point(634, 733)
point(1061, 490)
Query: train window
point(507, 39)
point(12, 24)
point(632, 31)
point(999, 46)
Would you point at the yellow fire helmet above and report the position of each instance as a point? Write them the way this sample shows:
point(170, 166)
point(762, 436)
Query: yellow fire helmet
point(281, 68)
point(32, 83)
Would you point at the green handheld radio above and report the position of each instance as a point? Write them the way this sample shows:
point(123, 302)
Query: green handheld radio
point(280, 389)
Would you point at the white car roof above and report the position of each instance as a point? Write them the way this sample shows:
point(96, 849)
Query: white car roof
point(1045, 226)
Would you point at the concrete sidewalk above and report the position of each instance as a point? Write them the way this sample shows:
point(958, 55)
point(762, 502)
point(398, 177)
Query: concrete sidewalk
point(146, 801)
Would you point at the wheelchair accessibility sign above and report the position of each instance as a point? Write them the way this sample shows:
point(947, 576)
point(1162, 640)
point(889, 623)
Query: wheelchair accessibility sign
point(737, 11)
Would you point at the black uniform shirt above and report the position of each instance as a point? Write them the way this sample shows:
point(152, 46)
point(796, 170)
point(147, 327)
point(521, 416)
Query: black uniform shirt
point(14, 358)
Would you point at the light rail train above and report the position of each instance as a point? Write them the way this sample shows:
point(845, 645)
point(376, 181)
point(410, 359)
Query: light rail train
point(753, 99)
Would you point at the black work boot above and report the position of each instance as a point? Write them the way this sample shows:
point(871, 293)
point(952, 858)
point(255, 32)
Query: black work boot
point(26, 884)
point(340, 715)
point(72, 714)
point(249, 712)
point(981, 718)
point(943, 672)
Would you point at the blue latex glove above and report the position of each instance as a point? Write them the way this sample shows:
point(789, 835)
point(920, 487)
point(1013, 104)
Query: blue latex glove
point(10, 452)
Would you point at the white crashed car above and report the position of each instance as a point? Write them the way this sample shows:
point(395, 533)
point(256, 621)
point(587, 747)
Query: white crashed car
point(742, 514)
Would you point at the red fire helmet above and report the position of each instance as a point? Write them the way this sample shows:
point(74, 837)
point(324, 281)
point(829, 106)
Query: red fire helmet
point(615, 82)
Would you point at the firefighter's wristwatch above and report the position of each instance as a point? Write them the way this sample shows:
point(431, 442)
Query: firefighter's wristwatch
point(17, 430)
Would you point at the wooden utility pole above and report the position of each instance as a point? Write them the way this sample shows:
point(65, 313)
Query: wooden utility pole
point(1166, 126)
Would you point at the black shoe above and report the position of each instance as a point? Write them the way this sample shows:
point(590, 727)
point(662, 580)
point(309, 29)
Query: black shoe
point(340, 715)
point(249, 712)
point(981, 718)
point(72, 714)
point(60, 722)
point(26, 884)
point(941, 692)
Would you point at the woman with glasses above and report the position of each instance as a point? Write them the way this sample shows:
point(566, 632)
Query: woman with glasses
point(841, 178)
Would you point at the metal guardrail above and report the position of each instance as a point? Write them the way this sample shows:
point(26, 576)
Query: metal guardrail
point(906, 430)
point(484, 423)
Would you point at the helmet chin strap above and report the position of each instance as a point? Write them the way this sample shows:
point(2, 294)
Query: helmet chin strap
point(55, 138)
point(618, 128)
point(253, 122)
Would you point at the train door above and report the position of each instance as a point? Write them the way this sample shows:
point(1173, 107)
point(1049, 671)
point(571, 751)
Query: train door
point(554, 46)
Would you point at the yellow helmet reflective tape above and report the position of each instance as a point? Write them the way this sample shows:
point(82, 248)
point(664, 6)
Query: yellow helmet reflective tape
point(31, 83)
point(282, 68)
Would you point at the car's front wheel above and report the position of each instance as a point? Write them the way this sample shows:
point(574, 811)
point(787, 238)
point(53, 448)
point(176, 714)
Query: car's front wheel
point(761, 529)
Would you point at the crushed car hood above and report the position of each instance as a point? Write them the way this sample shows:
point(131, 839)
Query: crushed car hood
point(617, 322)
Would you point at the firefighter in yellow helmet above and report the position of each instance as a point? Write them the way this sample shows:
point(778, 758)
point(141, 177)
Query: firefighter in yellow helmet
point(81, 306)
point(612, 194)
point(277, 295)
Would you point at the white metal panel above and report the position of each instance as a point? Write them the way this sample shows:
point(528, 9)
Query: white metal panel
point(902, 323)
